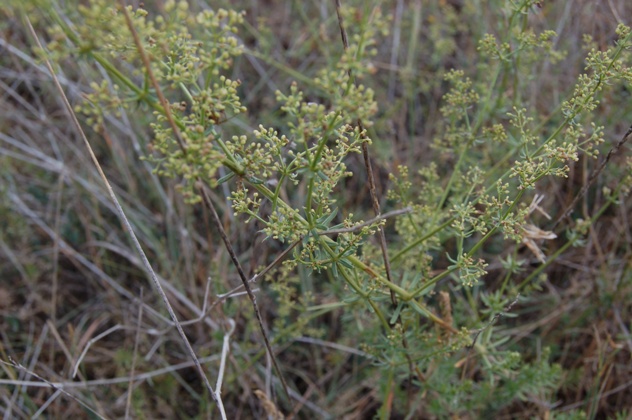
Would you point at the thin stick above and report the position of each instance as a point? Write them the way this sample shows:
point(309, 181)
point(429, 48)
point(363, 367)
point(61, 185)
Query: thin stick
point(161, 98)
point(593, 176)
point(369, 169)
point(375, 202)
point(176, 133)
point(262, 273)
point(50, 384)
point(229, 247)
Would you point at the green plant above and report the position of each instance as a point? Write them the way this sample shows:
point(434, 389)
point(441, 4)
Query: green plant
point(422, 307)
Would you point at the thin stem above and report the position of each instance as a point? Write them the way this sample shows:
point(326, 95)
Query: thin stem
point(356, 228)
point(592, 178)
point(220, 228)
point(367, 163)
point(146, 63)
point(422, 239)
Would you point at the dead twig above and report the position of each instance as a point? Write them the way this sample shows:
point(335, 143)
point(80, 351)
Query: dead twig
point(593, 176)
point(222, 233)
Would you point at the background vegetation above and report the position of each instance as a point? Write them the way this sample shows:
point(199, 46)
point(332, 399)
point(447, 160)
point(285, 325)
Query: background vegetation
point(497, 285)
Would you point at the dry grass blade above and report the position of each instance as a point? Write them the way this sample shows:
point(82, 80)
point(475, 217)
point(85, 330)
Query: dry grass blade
point(225, 350)
point(113, 381)
point(130, 389)
point(271, 410)
point(17, 365)
point(91, 342)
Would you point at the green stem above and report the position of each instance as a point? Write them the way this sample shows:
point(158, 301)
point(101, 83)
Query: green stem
point(343, 271)
point(355, 261)
point(417, 242)
point(471, 252)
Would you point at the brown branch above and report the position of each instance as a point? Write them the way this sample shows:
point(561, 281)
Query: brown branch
point(165, 105)
point(260, 274)
point(593, 176)
point(220, 228)
point(367, 163)
point(146, 62)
